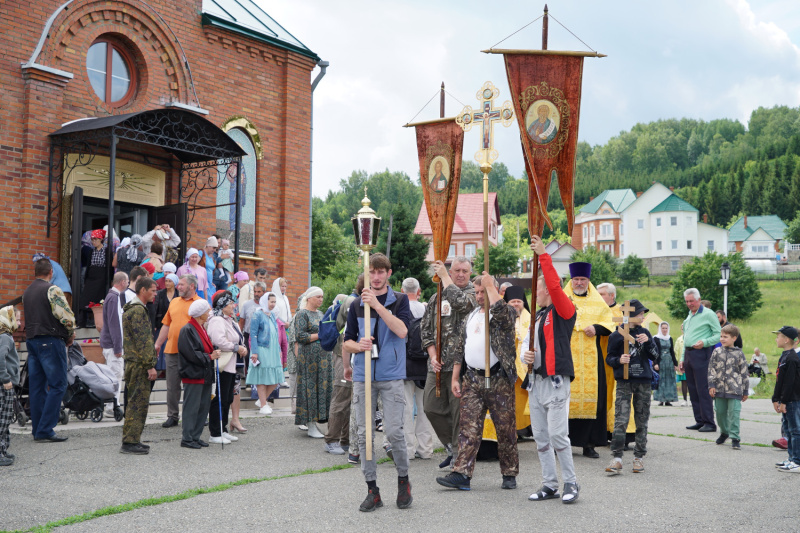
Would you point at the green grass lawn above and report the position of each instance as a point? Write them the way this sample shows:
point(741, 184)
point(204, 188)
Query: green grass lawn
point(779, 308)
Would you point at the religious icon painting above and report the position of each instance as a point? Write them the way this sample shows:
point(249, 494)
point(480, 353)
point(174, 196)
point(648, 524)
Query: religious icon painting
point(438, 174)
point(542, 121)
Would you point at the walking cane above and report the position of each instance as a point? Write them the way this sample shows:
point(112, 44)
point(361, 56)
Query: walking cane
point(219, 404)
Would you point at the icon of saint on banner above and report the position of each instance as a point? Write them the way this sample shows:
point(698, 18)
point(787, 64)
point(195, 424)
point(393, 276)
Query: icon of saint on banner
point(542, 121)
point(438, 174)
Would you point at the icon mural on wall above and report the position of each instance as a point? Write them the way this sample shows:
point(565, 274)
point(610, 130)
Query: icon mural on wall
point(542, 121)
point(439, 174)
point(226, 194)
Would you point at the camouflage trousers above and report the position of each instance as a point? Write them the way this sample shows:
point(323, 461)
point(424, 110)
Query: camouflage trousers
point(138, 403)
point(640, 391)
point(499, 399)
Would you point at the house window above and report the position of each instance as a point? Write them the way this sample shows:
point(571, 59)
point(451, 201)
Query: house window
point(673, 221)
point(731, 246)
point(674, 245)
point(759, 248)
point(710, 246)
point(658, 222)
point(674, 265)
point(452, 251)
point(591, 231)
point(469, 250)
point(640, 223)
point(688, 245)
point(688, 221)
point(585, 232)
point(658, 245)
point(621, 229)
point(621, 249)
point(606, 230)
point(111, 72)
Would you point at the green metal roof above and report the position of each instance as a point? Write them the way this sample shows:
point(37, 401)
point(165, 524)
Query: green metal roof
point(673, 203)
point(618, 199)
point(247, 18)
point(772, 224)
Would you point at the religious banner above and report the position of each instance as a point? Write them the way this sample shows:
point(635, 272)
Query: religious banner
point(439, 147)
point(546, 92)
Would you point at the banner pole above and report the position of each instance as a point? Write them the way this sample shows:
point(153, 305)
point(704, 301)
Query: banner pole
point(487, 345)
point(369, 414)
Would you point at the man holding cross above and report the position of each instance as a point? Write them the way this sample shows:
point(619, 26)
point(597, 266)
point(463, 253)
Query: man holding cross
point(630, 350)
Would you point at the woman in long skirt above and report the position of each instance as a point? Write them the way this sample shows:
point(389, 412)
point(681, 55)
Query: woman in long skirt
point(314, 368)
point(266, 370)
point(667, 391)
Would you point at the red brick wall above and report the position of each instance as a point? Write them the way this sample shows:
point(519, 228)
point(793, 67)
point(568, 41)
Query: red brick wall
point(233, 75)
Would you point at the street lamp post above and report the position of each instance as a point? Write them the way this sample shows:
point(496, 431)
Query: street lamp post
point(725, 272)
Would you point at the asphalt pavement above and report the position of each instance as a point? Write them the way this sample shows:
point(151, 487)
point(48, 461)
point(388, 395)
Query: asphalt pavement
point(688, 484)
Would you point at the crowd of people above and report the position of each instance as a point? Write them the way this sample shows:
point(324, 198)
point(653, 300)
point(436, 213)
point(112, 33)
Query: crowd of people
point(567, 374)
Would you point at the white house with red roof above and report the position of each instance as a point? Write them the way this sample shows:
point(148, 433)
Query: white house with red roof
point(467, 228)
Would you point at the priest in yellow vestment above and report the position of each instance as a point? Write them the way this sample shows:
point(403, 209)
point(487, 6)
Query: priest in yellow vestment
point(589, 400)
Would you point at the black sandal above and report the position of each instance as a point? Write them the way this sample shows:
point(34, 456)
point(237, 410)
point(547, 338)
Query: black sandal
point(570, 493)
point(545, 493)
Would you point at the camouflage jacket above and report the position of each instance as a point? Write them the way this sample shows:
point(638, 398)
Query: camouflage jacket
point(502, 337)
point(727, 372)
point(456, 305)
point(137, 336)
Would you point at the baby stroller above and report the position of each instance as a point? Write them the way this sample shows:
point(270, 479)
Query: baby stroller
point(22, 404)
point(91, 386)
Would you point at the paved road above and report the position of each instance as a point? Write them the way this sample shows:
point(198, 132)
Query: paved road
point(688, 485)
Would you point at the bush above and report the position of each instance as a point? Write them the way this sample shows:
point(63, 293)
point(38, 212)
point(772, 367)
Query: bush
point(632, 269)
point(604, 265)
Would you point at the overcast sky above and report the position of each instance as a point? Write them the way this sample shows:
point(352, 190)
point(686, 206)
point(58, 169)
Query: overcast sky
point(703, 59)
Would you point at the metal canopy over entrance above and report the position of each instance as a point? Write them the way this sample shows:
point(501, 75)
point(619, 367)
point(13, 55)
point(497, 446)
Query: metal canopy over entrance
point(204, 151)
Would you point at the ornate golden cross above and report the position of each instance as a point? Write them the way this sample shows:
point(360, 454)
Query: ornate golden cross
point(625, 329)
point(487, 116)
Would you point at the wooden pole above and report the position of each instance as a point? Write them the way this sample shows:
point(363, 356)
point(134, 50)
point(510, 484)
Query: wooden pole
point(441, 102)
point(534, 283)
point(545, 23)
point(439, 336)
point(369, 414)
point(486, 268)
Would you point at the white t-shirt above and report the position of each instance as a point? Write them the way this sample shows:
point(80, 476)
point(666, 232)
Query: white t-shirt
point(475, 347)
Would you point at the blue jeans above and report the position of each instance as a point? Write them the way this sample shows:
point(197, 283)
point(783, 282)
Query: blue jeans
point(790, 424)
point(47, 381)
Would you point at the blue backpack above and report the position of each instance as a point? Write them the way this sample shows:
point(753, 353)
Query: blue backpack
point(328, 333)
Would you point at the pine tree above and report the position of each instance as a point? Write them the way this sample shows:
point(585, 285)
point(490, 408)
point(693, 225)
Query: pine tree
point(408, 250)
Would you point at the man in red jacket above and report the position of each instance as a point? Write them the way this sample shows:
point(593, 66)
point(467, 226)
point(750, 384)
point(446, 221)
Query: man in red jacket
point(549, 385)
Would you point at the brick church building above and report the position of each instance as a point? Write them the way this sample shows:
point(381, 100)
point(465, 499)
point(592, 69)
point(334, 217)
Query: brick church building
point(200, 109)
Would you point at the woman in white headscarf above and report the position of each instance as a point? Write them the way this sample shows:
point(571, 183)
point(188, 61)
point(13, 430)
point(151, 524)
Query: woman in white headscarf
point(9, 378)
point(667, 391)
point(282, 307)
point(314, 367)
point(266, 370)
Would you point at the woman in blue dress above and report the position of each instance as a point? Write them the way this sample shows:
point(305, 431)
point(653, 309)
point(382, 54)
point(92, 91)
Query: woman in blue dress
point(266, 370)
point(667, 391)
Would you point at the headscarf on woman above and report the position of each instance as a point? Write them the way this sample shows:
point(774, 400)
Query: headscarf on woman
point(282, 306)
point(659, 335)
point(133, 248)
point(310, 293)
point(198, 307)
point(173, 278)
point(8, 320)
point(221, 301)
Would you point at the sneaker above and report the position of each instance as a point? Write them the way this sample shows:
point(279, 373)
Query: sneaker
point(10, 455)
point(266, 410)
point(735, 444)
point(790, 467)
point(333, 448)
point(285, 385)
point(683, 403)
point(615, 467)
point(454, 480)
point(781, 443)
point(509, 482)
point(638, 465)
point(372, 501)
point(722, 438)
point(446, 462)
point(404, 498)
point(218, 440)
point(302, 427)
point(230, 437)
point(6, 461)
point(782, 463)
point(353, 459)
point(389, 452)
point(258, 403)
point(570, 494)
point(134, 449)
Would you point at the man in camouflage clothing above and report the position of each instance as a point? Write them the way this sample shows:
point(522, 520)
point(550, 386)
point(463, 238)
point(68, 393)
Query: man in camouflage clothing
point(140, 361)
point(476, 397)
point(458, 299)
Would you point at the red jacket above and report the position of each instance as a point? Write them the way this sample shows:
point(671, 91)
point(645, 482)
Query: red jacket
point(555, 326)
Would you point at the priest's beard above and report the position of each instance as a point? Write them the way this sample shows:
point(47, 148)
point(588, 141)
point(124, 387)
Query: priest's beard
point(580, 293)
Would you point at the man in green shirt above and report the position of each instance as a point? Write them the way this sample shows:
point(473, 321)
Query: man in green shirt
point(700, 333)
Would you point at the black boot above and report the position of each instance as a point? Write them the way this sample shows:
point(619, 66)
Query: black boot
point(404, 498)
point(372, 501)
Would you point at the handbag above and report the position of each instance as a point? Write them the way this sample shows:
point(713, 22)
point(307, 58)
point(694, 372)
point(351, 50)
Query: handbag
point(656, 378)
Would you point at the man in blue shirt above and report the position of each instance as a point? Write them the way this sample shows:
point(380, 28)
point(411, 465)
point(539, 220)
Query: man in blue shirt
point(389, 320)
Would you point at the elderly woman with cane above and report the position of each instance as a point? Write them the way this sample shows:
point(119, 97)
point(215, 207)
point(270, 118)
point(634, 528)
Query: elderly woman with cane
point(197, 373)
point(225, 334)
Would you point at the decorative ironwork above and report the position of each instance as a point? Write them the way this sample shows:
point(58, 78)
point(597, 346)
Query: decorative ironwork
point(202, 176)
point(85, 151)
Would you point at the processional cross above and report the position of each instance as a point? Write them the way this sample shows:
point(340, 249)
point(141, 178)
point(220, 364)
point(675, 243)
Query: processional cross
point(488, 116)
point(625, 329)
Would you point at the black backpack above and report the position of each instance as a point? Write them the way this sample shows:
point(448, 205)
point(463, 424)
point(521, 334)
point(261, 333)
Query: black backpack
point(414, 341)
